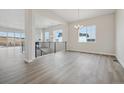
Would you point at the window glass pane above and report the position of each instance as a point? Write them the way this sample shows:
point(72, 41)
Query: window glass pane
point(82, 34)
point(18, 35)
point(22, 35)
point(87, 34)
point(3, 39)
point(3, 34)
point(58, 36)
point(91, 33)
point(46, 36)
point(10, 34)
point(17, 39)
point(10, 38)
point(22, 39)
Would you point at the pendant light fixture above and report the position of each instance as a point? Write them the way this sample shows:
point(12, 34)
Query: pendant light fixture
point(78, 26)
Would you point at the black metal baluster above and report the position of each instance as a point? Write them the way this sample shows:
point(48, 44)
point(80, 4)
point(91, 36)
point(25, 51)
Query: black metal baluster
point(54, 47)
point(35, 49)
point(65, 45)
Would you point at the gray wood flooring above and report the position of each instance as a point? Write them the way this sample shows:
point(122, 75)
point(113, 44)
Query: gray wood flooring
point(60, 68)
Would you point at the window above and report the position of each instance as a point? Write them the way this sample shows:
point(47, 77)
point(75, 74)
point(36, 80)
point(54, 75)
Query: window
point(22, 35)
point(3, 39)
point(87, 34)
point(58, 36)
point(3, 34)
point(11, 34)
point(11, 38)
point(17, 35)
point(47, 36)
point(17, 39)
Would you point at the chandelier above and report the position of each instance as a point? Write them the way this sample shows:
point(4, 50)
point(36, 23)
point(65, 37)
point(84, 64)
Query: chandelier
point(78, 26)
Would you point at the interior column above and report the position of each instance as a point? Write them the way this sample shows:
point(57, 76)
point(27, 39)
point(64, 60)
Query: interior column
point(29, 36)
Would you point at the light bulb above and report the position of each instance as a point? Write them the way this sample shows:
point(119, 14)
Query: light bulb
point(78, 26)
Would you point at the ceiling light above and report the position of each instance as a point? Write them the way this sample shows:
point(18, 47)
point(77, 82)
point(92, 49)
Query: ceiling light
point(78, 26)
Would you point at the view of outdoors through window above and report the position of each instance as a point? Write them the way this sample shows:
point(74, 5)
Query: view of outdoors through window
point(58, 36)
point(8, 39)
point(47, 36)
point(87, 34)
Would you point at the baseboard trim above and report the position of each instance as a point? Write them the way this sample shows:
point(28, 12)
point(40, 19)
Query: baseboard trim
point(106, 54)
point(120, 61)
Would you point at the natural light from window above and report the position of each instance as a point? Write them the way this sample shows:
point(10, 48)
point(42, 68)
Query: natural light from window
point(58, 36)
point(87, 34)
point(47, 36)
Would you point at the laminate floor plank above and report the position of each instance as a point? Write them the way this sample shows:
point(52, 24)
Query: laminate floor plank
point(59, 68)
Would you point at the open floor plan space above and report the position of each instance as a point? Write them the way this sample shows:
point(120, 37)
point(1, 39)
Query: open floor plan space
point(61, 46)
point(62, 67)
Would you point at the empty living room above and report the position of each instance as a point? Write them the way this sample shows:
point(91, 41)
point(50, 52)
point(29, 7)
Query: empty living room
point(61, 46)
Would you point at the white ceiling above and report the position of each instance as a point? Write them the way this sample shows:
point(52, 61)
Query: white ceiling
point(45, 22)
point(14, 18)
point(71, 15)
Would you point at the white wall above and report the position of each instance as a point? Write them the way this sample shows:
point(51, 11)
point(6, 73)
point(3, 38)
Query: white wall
point(38, 35)
point(49, 14)
point(120, 36)
point(105, 36)
point(64, 27)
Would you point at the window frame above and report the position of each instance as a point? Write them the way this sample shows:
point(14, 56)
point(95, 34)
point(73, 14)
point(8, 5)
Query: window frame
point(45, 37)
point(86, 33)
point(54, 35)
